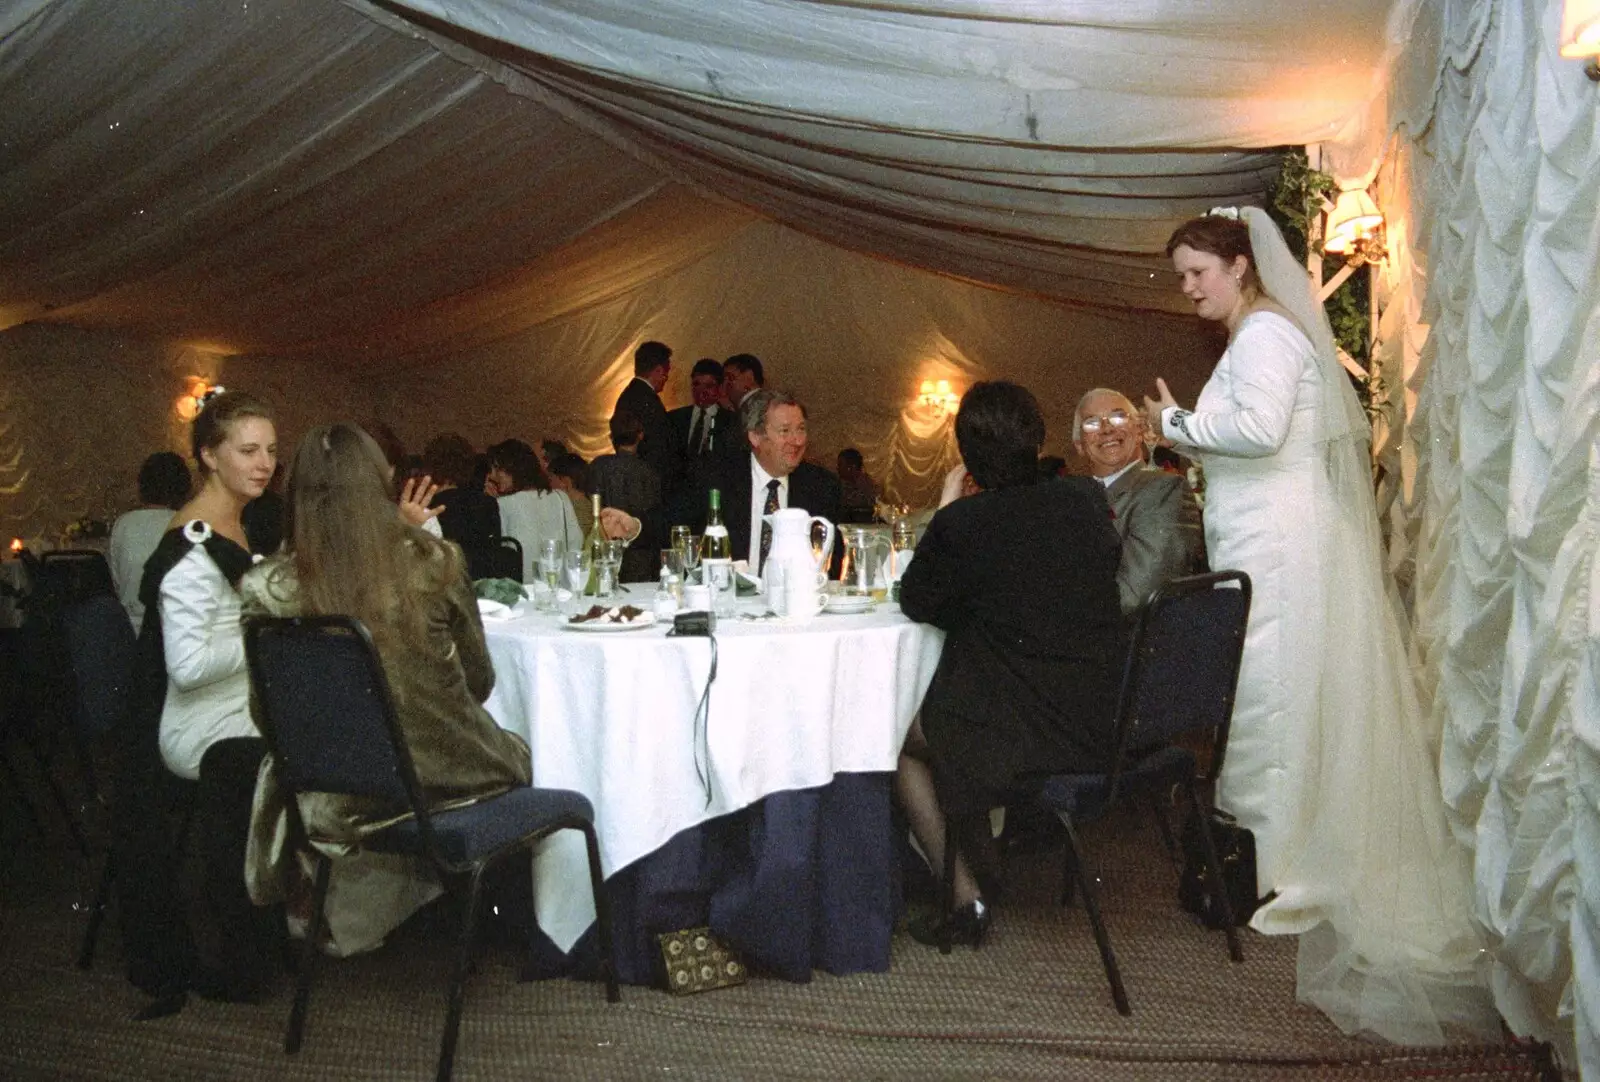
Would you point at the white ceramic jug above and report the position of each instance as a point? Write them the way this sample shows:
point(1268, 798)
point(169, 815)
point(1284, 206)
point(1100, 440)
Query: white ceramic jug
point(791, 550)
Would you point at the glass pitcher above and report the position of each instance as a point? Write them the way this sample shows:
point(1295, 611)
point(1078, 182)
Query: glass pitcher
point(866, 561)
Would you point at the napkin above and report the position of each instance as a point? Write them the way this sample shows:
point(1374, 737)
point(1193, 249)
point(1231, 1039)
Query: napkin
point(493, 610)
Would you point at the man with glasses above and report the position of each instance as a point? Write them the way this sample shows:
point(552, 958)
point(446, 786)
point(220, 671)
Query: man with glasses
point(1155, 513)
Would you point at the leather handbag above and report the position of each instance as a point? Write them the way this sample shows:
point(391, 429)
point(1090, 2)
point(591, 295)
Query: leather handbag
point(1236, 850)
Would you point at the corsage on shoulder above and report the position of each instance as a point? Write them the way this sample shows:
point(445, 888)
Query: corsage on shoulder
point(197, 532)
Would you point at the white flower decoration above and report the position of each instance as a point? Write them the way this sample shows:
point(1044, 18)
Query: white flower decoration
point(1223, 212)
point(197, 532)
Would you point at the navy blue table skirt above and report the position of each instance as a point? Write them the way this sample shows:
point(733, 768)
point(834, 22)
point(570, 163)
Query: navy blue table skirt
point(802, 880)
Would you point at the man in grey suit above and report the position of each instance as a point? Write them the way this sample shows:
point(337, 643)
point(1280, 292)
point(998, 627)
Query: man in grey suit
point(1154, 512)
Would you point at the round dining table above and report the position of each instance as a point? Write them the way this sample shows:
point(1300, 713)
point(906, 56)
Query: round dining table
point(799, 731)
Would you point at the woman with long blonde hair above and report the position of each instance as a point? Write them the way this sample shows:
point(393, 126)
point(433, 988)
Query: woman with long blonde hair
point(347, 552)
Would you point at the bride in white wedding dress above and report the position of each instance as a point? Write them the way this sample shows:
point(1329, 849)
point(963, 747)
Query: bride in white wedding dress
point(1329, 761)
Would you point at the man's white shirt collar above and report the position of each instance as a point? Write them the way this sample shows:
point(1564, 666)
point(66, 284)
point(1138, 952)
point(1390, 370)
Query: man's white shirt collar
point(1111, 478)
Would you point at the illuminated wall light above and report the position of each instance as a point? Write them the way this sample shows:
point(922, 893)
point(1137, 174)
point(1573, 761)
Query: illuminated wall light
point(1580, 34)
point(937, 393)
point(188, 404)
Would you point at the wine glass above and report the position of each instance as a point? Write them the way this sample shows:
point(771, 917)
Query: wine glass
point(552, 558)
point(691, 556)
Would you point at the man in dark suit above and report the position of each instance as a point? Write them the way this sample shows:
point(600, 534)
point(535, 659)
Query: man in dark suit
point(705, 426)
point(771, 473)
point(652, 363)
point(1156, 515)
point(1021, 575)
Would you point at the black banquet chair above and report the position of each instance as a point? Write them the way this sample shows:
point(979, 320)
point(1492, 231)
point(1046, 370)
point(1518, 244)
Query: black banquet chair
point(100, 649)
point(504, 557)
point(1180, 676)
point(324, 707)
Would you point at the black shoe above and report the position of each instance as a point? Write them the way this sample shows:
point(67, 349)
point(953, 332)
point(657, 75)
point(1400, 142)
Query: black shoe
point(966, 927)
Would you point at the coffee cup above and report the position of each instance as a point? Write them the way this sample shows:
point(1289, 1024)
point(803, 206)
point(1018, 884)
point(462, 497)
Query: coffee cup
point(697, 598)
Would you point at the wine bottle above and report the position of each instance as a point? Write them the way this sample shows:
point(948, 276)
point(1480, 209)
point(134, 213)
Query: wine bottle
point(595, 546)
point(716, 558)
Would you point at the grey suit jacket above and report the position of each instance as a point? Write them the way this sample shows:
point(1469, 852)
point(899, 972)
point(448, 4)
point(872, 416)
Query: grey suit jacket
point(1159, 523)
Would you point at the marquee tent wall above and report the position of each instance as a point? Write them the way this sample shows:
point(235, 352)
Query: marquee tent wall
point(464, 213)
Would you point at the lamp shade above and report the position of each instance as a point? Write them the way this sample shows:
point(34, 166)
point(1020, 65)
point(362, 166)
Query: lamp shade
point(1354, 215)
point(1580, 28)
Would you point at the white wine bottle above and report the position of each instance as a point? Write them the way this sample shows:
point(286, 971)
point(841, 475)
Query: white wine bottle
point(595, 546)
point(716, 559)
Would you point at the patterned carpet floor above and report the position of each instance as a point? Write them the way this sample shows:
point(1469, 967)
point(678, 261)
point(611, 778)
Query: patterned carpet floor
point(1031, 1004)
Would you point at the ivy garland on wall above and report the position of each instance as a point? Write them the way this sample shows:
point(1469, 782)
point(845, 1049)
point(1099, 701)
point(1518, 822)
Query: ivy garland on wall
point(1294, 201)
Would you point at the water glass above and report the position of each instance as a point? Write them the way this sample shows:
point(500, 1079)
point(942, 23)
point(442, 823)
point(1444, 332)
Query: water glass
point(576, 567)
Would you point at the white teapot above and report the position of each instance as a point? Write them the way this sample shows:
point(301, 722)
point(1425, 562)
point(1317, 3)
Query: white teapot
point(798, 567)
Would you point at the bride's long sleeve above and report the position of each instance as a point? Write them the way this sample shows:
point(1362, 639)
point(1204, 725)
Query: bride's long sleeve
point(1264, 365)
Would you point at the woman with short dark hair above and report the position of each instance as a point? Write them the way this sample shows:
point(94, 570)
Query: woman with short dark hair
point(164, 485)
point(1021, 574)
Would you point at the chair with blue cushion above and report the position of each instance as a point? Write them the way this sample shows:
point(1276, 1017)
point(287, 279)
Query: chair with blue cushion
point(100, 649)
point(324, 707)
point(1179, 678)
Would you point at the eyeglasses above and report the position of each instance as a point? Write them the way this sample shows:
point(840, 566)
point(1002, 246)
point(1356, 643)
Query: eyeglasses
point(1115, 419)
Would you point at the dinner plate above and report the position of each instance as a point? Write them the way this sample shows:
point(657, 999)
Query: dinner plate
point(647, 620)
point(848, 604)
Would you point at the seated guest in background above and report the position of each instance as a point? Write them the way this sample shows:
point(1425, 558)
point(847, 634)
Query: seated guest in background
point(164, 485)
point(652, 364)
point(570, 474)
point(467, 515)
point(529, 511)
point(1022, 577)
point(858, 493)
point(191, 721)
point(1155, 514)
point(771, 474)
point(347, 552)
point(549, 451)
point(623, 481)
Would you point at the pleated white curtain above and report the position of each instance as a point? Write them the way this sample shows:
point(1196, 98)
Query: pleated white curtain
point(1493, 192)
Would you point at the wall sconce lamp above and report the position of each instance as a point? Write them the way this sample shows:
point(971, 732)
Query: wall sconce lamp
point(1355, 228)
point(939, 395)
point(1580, 34)
point(193, 398)
point(16, 546)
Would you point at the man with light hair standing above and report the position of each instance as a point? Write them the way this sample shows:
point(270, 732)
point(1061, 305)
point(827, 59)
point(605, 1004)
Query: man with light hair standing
point(1155, 513)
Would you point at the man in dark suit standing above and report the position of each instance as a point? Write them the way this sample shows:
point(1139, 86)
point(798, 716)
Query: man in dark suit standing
point(704, 427)
point(652, 363)
point(772, 473)
point(1155, 513)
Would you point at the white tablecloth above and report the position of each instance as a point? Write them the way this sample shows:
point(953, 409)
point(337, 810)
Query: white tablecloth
point(611, 716)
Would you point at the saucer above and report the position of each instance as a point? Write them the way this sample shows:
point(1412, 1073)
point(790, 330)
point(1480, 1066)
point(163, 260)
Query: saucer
point(848, 604)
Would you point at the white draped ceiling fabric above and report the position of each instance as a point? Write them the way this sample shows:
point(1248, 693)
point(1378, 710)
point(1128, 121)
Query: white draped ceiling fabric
point(1493, 192)
point(459, 209)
